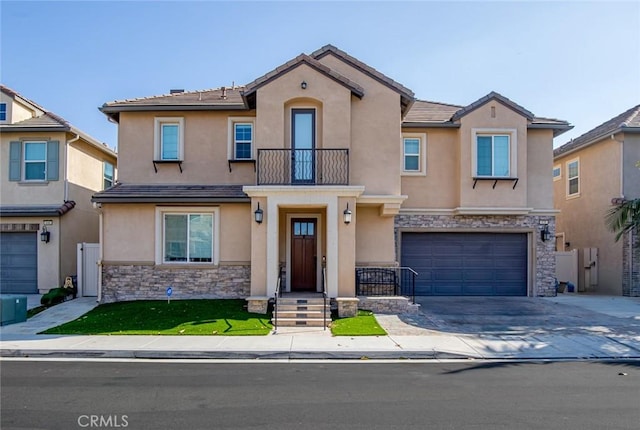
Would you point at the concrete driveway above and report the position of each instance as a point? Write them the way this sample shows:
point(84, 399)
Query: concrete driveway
point(528, 315)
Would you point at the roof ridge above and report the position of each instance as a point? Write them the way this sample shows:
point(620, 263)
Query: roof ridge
point(439, 103)
point(207, 90)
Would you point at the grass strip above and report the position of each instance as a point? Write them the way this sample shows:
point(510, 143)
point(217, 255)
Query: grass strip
point(364, 324)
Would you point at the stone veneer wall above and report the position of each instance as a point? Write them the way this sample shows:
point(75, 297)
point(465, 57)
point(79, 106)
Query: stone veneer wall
point(545, 270)
point(132, 282)
point(631, 264)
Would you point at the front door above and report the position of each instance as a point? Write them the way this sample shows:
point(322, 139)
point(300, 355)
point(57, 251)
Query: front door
point(303, 142)
point(303, 254)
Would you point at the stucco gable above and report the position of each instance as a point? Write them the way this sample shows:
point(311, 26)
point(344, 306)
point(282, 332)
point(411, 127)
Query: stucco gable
point(493, 96)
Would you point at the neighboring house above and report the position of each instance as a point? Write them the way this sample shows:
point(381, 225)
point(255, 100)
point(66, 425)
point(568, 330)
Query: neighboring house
point(591, 174)
point(50, 170)
point(326, 161)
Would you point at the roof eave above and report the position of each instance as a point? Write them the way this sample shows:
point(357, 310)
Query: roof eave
point(174, 199)
point(9, 129)
point(557, 153)
point(416, 124)
point(558, 129)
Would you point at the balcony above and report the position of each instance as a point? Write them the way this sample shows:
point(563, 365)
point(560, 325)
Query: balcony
point(303, 167)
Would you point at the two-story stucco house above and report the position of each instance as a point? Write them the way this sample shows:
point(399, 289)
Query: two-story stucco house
point(326, 163)
point(591, 174)
point(50, 169)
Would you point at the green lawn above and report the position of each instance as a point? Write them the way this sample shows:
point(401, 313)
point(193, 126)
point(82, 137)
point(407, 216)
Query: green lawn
point(180, 317)
point(364, 324)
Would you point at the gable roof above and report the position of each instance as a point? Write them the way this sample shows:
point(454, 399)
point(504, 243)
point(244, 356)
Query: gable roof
point(251, 88)
point(486, 99)
point(178, 193)
point(627, 122)
point(406, 95)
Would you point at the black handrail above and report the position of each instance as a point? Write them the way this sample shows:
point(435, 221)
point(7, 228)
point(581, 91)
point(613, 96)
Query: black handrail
point(386, 281)
point(275, 301)
point(284, 166)
point(324, 291)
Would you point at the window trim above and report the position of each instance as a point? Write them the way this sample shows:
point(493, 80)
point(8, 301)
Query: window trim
point(231, 136)
point(569, 178)
point(104, 176)
point(24, 161)
point(559, 167)
point(157, 140)
point(422, 154)
point(513, 150)
point(161, 211)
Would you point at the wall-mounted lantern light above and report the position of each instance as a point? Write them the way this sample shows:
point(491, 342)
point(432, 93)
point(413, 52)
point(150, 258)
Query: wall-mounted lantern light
point(45, 236)
point(303, 85)
point(545, 234)
point(346, 215)
point(258, 214)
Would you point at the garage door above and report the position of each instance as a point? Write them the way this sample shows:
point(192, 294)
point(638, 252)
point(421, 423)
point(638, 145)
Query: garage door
point(19, 263)
point(467, 264)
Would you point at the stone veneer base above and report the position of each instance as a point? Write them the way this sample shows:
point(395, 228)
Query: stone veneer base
point(388, 304)
point(347, 306)
point(132, 282)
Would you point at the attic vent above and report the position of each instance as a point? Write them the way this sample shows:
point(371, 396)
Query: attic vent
point(176, 91)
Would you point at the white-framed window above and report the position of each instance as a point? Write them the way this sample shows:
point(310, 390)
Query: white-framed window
point(414, 154)
point(35, 161)
point(494, 153)
point(169, 139)
point(241, 140)
point(3, 111)
point(107, 175)
point(187, 235)
point(557, 172)
point(573, 178)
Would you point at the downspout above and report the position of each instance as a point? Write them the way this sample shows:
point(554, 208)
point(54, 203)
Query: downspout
point(66, 163)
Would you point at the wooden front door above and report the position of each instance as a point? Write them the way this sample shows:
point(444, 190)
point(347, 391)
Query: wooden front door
point(303, 254)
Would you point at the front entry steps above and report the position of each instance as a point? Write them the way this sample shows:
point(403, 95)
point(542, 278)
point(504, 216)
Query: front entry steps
point(301, 312)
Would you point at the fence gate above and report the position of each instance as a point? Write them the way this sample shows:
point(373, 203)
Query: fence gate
point(88, 269)
point(567, 267)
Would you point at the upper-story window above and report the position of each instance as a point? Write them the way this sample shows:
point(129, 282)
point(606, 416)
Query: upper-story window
point(169, 139)
point(414, 159)
point(3, 111)
point(33, 161)
point(107, 175)
point(573, 178)
point(241, 138)
point(557, 172)
point(494, 153)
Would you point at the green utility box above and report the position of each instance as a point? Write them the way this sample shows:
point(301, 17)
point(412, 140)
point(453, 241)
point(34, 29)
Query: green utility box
point(13, 309)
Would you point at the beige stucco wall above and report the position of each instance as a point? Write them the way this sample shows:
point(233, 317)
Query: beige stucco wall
point(24, 193)
point(439, 188)
point(205, 150)
point(16, 111)
point(539, 163)
point(484, 195)
point(375, 132)
point(581, 218)
point(375, 244)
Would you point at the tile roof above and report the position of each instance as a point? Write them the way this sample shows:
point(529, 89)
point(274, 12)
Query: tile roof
point(178, 193)
point(296, 62)
point(628, 121)
point(37, 210)
point(424, 111)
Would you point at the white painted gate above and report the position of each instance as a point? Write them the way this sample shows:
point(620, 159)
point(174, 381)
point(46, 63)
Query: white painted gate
point(88, 269)
point(567, 267)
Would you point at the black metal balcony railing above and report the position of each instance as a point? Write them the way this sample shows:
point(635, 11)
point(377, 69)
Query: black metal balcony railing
point(303, 167)
point(386, 281)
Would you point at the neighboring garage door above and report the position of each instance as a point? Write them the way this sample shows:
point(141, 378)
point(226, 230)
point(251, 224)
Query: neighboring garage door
point(467, 264)
point(19, 263)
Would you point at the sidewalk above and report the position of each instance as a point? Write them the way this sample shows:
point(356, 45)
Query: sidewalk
point(417, 338)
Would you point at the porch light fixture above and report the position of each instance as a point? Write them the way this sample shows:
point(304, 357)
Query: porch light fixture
point(45, 235)
point(545, 234)
point(303, 85)
point(258, 214)
point(347, 215)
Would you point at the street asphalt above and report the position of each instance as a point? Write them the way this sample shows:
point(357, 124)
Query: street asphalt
point(567, 327)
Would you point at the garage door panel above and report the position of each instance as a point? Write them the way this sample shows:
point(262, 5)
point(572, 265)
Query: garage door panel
point(479, 264)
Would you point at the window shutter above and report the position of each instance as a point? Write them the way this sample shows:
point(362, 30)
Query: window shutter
point(15, 161)
point(52, 160)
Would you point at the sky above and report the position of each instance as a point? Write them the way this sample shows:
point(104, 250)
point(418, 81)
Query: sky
point(576, 61)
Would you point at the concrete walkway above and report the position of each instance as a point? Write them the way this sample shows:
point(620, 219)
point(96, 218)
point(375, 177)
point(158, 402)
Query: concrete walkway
point(563, 327)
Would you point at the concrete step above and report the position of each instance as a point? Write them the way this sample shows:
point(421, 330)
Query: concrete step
point(301, 322)
point(301, 302)
point(301, 308)
point(303, 314)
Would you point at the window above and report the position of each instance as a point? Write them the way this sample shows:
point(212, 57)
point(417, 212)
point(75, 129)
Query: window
point(573, 178)
point(35, 161)
point(169, 139)
point(188, 237)
point(107, 175)
point(414, 154)
point(243, 139)
point(3, 111)
point(557, 173)
point(493, 156)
